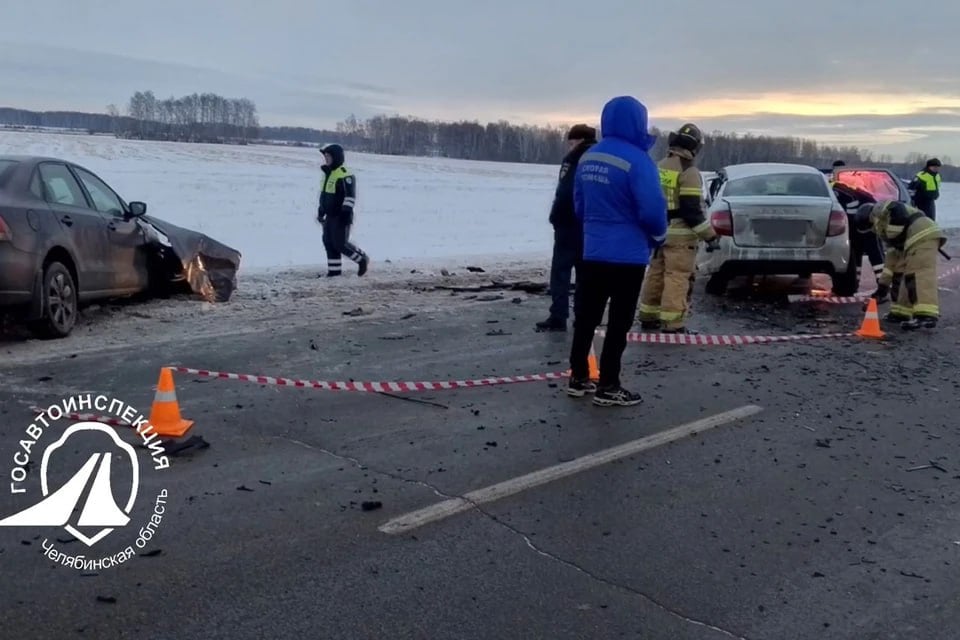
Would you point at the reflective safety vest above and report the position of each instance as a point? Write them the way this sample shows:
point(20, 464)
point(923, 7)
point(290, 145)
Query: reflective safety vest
point(333, 198)
point(930, 183)
point(679, 182)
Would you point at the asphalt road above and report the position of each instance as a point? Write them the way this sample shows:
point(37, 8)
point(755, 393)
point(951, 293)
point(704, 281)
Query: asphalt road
point(798, 522)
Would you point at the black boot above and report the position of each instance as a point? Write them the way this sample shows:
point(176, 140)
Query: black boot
point(364, 264)
point(552, 324)
point(650, 325)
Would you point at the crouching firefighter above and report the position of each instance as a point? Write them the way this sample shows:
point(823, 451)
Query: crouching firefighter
point(338, 197)
point(665, 297)
point(909, 275)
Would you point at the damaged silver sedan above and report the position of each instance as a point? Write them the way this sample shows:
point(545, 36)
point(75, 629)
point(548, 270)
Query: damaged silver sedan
point(67, 239)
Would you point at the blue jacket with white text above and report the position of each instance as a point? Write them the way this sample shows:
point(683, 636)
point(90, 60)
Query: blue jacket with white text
point(617, 192)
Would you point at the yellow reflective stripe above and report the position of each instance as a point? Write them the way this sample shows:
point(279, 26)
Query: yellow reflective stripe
point(670, 316)
point(703, 227)
point(669, 179)
point(919, 236)
point(330, 184)
point(888, 272)
point(677, 232)
point(926, 309)
point(649, 311)
point(691, 191)
point(900, 310)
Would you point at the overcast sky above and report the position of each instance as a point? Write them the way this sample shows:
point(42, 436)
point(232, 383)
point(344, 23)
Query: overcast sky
point(885, 77)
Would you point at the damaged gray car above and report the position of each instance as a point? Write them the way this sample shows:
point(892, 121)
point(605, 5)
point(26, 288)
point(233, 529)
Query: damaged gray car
point(67, 239)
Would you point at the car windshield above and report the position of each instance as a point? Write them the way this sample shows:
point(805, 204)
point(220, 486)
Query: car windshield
point(879, 184)
point(778, 184)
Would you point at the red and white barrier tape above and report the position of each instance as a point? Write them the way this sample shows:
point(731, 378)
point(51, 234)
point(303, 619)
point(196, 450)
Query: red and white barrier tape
point(949, 272)
point(682, 338)
point(372, 387)
point(860, 297)
point(88, 417)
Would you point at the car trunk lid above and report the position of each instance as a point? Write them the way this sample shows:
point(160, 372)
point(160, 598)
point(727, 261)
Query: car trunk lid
point(788, 222)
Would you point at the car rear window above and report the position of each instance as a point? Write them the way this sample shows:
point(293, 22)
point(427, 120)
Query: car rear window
point(779, 184)
point(879, 184)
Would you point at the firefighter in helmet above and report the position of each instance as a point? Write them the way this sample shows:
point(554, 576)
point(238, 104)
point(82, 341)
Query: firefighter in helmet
point(665, 296)
point(910, 271)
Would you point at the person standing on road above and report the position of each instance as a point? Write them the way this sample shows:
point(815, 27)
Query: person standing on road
point(926, 188)
point(910, 274)
point(617, 197)
point(338, 197)
point(567, 232)
point(664, 299)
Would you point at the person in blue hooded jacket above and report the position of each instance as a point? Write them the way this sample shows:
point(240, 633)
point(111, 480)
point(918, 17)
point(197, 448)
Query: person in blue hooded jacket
point(618, 198)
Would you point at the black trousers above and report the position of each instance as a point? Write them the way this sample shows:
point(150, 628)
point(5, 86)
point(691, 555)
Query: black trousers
point(567, 251)
point(603, 282)
point(928, 206)
point(336, 240)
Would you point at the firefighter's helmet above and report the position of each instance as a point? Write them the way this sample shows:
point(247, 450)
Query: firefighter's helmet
point(687, 137)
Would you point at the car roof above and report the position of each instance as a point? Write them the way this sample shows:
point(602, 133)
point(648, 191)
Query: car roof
point(735, 171)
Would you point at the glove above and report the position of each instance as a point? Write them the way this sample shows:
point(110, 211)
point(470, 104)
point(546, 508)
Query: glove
point(713, 245)
point(320, 215)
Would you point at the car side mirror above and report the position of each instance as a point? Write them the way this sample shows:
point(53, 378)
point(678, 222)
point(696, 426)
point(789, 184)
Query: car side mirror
point(137, 209)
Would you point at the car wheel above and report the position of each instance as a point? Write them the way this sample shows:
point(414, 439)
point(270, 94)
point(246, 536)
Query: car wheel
point(716, 285)
point(60, 304)
point(846, 284)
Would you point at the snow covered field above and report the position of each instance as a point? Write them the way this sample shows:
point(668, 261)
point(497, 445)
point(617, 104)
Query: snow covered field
point(262, 200)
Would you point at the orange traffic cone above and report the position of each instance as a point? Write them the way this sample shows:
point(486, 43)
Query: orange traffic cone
point(871, 322)
point(165, 414)
point(594, 367)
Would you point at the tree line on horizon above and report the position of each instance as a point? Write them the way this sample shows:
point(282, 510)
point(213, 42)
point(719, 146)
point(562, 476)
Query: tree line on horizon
point(208, 117)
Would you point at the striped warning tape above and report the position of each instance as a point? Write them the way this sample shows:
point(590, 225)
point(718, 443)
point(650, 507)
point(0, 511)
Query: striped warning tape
point(725, 340)
point(680, 338)
point(860, 297)
point(373, 387)
point(88, 417)
point(949, 272)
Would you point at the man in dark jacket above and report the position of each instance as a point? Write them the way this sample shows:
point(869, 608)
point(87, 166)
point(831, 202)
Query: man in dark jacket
point(567, 232)
point(338, 198)
point(926, 188)
point(617, 196)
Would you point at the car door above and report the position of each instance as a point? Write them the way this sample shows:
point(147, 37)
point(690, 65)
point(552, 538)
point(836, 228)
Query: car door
point(128, 259)
point(85, 228)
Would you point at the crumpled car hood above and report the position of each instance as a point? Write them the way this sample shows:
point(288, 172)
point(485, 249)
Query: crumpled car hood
point(209, 267)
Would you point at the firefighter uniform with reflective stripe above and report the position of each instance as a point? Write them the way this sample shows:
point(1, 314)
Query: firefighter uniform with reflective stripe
point(910, 269)
point(338, 197)
point(926, 188)
point(665, 297)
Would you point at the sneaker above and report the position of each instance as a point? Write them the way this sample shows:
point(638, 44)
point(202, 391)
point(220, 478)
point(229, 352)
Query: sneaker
point(551, 324)
point(580, 387)
point(650, 325)
point(364, 263)
point(616, 396)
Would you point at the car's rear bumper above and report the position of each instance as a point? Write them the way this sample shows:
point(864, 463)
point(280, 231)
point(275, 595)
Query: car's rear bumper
point(832, 258)
point(17, 275)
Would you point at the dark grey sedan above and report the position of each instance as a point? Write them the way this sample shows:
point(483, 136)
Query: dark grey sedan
point(67, 238)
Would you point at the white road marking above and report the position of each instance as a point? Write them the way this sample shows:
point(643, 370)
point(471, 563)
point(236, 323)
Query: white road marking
point(452, 507)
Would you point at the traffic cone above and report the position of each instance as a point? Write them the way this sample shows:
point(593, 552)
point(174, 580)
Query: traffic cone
point(871, 322)
point(594, 367)
point(165, 415)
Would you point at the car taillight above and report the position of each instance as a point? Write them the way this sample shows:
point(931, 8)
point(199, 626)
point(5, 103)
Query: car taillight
point(722, 223)
point(5, 234)
point(838, 223)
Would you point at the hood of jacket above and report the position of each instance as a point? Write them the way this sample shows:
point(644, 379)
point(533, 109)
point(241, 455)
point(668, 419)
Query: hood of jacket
point(337, 154)
point(625, 117)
